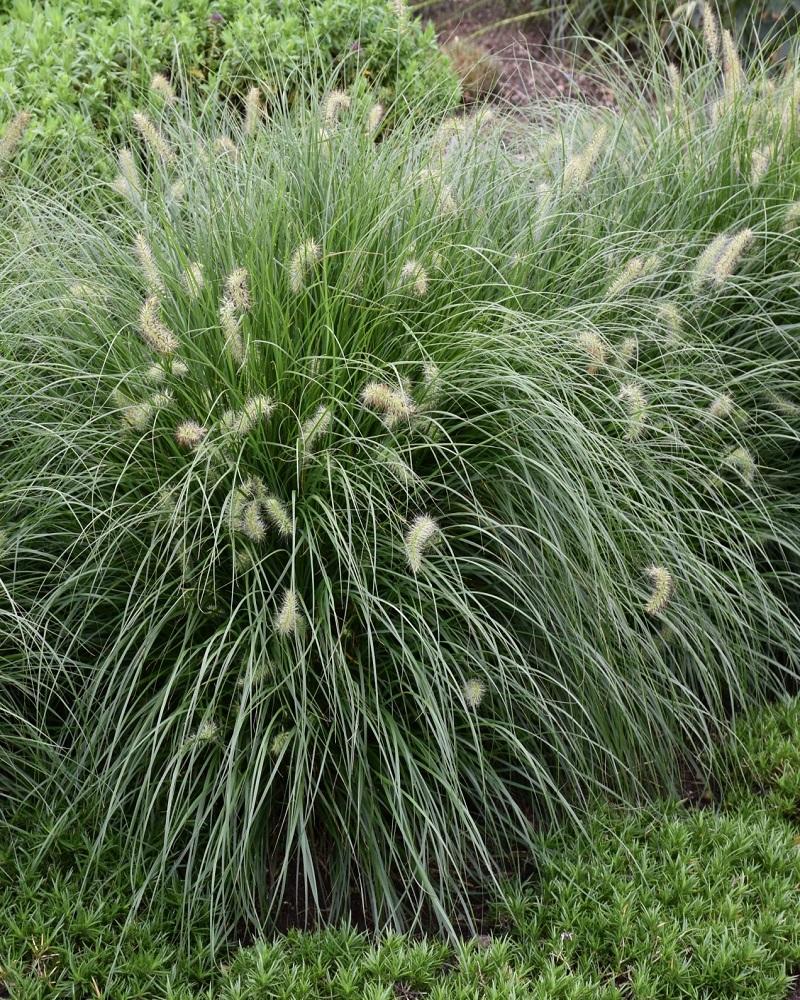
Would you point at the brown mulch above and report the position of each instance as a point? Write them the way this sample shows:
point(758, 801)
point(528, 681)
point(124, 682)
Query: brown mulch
point(530, 67)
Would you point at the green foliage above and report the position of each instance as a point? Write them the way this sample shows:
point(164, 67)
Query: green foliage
point(765, 759)
point(68, 925)
point(78, 67)
point(665, 906)
point(569, 348)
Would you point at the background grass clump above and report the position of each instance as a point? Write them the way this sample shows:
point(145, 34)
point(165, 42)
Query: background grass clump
point(77, 67)
point(370, 505)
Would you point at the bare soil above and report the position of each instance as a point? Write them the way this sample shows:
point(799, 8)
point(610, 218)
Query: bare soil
point(530, 67)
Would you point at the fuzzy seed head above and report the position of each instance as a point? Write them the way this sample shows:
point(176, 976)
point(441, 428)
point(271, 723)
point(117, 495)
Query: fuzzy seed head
point(189, 434)
point(288, 620)
point(731, 64)
point(395, 405)
point(278, 516)
point(336, 103)
point(421, 534)
point(662, 588)
point(783, 404)
point(160, 85)
point(628, 275)
point(139, 416)
point(250, 522)
point(128, 170)
point(304, 259)
point(314, 428)
point(731, 255)
point(579, 167)
point(594, 347)
point(226, 147)
point(237, 289)
point(759, 165)
point(207, 732)
point(627, 351)
point(374, 118)
point(635, 403)
point(722, 407)
point(711, 31)
point(154, 141)
point(474, 692)
point(230, 323)
point(668, 316)
point(148, 265)
point(280, 742)
point(791, 219)
point(13, 135)
point(741, 461)
point(193, 280)
point(155, 334)
point(253, 110)
point(415, 275)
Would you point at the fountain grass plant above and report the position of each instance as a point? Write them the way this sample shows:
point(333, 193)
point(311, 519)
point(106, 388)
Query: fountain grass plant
point(369, 505)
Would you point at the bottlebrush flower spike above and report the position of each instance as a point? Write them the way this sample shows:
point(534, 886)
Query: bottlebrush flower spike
point(759, 164)
point(722, 407)
point(289, 619)
point(224, 146)
point(314, 428)
point(153, 139)
point(237, 289)
point(278, 516)
point(593, 345)
point(731, 64)
point(304, 259)
point(13, 135)
point(742, 462)
point(711, 31)
point(415, 275)
point(253, 110)
point(374, 118)
point(636, 404)
point(792, 217)
point(627, 276)
point(394, 404)
point(190, 435)
point(663, 586)
point(129, 171)
point(669, 316)
point(280, 742)
point(230, 323)
point(155, 334)
point(474, 692)
point(139, 416)
point(731, 255)
point(147, 263)
point(160, 85)
point(337, 102)
point(250, 522)
point(627, 351)
point(422, 533)
point(193, 280)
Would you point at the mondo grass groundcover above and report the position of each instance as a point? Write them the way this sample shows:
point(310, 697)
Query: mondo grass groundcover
point(369, 505)
point(664, 904)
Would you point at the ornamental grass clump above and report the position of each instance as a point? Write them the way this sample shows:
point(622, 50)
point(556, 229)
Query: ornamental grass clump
point(392, 574)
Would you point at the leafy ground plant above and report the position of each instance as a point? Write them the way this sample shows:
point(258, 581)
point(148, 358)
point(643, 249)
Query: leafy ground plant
point(371, 504)
point(665, 905)
point(76, 67)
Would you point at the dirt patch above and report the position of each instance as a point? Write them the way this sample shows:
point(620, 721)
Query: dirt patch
point(530, 68)
point(794, 992)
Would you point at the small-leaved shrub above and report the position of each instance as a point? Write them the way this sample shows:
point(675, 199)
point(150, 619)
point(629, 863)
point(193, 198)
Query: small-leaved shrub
point(77, 66)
